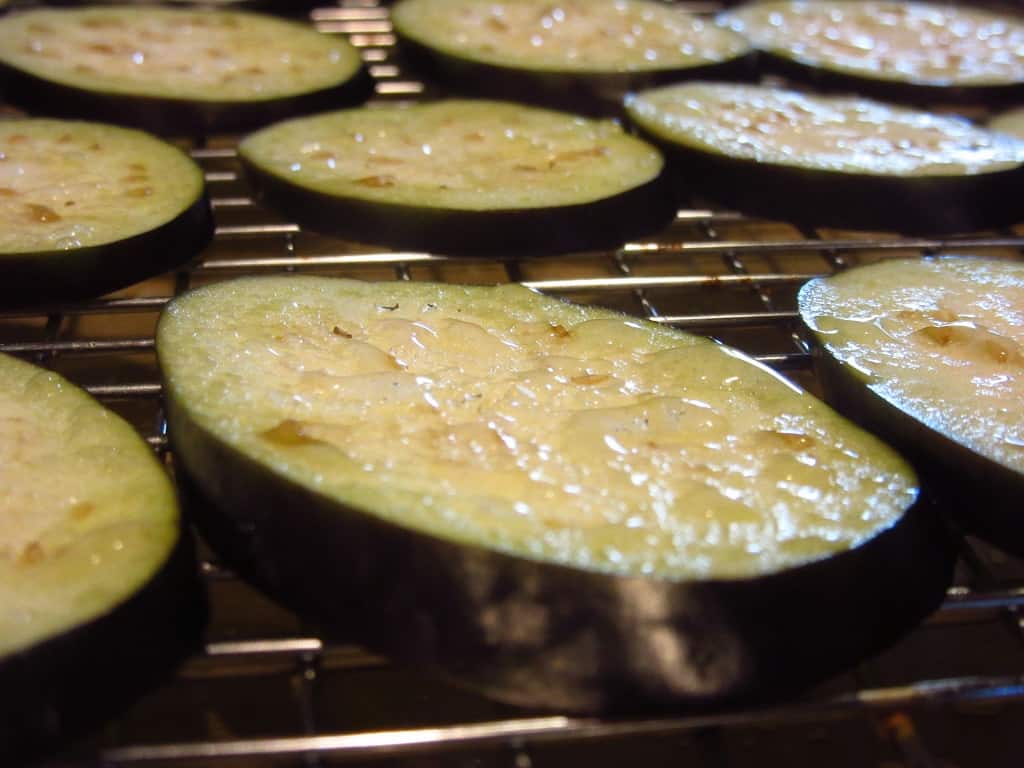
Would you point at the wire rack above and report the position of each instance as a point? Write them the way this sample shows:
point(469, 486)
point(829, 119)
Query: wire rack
point(270, 690)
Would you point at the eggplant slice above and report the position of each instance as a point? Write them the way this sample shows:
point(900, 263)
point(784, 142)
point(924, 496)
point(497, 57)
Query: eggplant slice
point(834, 161)
point(175, 71)
point(87, 208)
point(462, 177)
point(99, 594)
point(903, 51)
point(560, 505)
point(929, 353)
point(581, 55)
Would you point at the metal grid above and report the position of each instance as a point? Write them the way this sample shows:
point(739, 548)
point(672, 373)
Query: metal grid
point(269, 690)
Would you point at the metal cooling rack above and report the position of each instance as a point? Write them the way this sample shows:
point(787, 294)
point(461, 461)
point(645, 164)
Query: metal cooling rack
point(269, 690)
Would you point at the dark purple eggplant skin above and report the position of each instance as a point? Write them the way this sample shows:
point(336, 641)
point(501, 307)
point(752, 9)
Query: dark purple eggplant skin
point(548, 636)
point(605, 223)
point(81, 273)
point(594, 94)
point(985, 497)
point(192, 118)
point(901, 92)
point(922, 205)
point(65, 686)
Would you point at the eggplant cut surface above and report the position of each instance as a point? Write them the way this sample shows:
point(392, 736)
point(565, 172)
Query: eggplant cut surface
point(99, 595)
point(581, 54)
point(1011, 122)
point(902, 51)
point(462, 177)
point(175, 70)
point(834, 161)
point(563, 506)
point(87, 208)
point(929, 353)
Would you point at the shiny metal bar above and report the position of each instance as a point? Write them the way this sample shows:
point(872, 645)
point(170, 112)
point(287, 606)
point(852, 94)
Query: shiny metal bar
point(96, 306)
point(728, 319)
point(255, 230)
point(566, 729)
point(669, 281)
point(770, 246)
point(78, 346)
point(341, 259)
point(124, 391)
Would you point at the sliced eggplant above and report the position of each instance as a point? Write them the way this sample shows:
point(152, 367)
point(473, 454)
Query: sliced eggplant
point(578, 54)
point(99, 595)
point(564, 506)
point(834, 161)
point(925, 53)
point(461, 177)
point(929, 353)
point(87, 208)
point(175, 70)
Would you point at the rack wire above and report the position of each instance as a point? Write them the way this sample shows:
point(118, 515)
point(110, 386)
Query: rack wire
point(270, 689)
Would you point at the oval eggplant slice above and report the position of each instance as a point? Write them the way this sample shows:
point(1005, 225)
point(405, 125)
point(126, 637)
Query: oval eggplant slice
point(834, 161)
point(930, 354)
point(86, 208)
point(894, 50)
point(98, 589)
point(175, 70)
point(562, 505)
point(462, 176)
point(579, 54)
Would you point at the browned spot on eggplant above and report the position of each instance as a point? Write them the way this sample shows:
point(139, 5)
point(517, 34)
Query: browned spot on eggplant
point(377, 181)
point(32, 554)
point(42, 213)
point(290, 432)
point(82, 510)
point(789, 440)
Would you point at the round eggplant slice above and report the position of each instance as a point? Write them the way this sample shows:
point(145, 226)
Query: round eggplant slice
point(99, 594)
point(462, 177)
point(563, 506)
point(86, 208)
point(580, 54)
point(930, 355)
point(902, 51)
point(175, 70)
point(834, 161)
